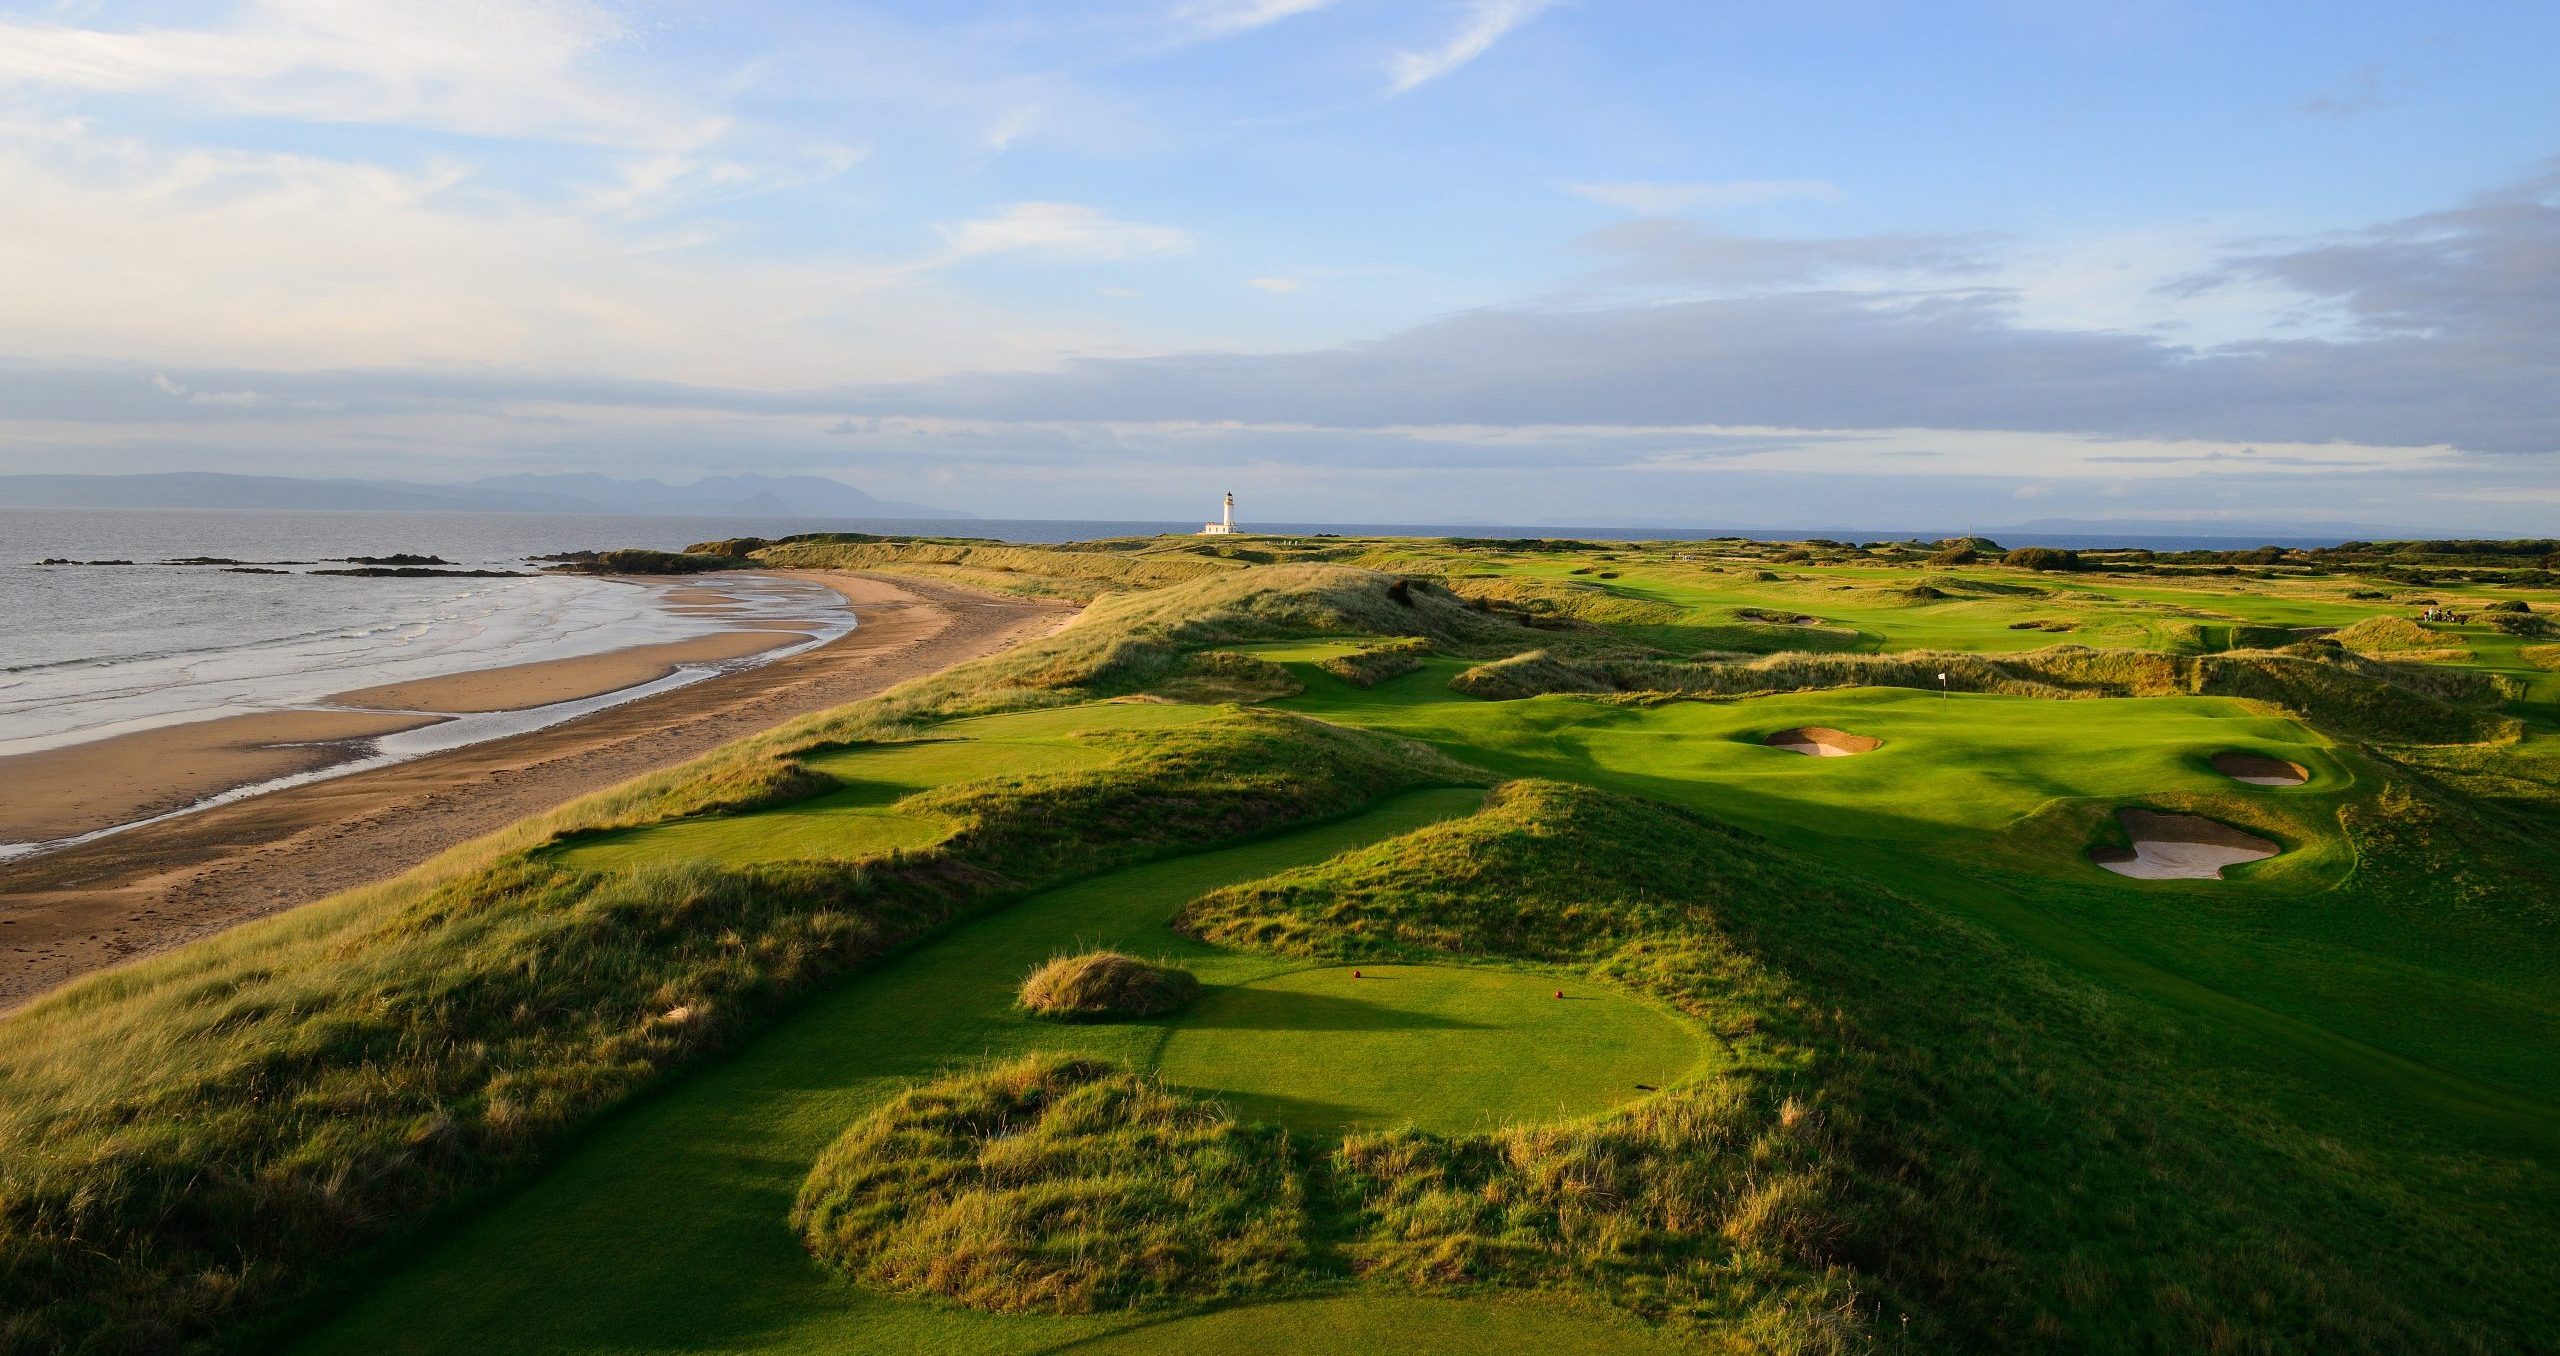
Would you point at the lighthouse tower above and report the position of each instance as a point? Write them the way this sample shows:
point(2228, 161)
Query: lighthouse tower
point(1226, 523)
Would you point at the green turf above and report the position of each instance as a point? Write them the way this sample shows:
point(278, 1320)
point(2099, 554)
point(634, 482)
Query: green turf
point(666, 1229)
point(2373, 1006)
point(1957, 774)
point(1987, 805)
point(861, 818)
point(1365, 1325)
point(1445, 1048)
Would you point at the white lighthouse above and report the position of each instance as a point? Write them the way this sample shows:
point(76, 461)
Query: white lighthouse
point(1226, 523)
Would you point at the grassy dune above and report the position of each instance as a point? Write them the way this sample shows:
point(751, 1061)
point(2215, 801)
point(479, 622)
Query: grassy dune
point(1856, 1051)
point(574, 1262)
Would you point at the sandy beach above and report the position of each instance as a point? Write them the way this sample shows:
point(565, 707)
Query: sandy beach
point(518, 686)
point(82, 908)
point(65, 792)
point(54, 794)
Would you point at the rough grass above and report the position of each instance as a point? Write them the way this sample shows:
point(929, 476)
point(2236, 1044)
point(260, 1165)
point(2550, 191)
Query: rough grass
point(2334, 691)
point(1911, 1108)
point(1033, 571)
point(1056, 1185)
point(2394, 636)
point(1099, 985)
point(1375, 664)
point(192, 1142)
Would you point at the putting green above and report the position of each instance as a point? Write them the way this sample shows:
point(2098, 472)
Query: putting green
point(1953, 772)
point(1444, 1048)
point(861, 818)
point(1358, 1325)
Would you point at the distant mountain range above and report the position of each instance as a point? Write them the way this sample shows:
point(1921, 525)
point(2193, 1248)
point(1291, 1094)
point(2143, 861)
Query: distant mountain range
point(746, 496)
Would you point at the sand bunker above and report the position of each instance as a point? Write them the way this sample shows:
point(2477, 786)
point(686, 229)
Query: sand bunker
point(2259, 771)
point(2179, 847)
point(1821, 741)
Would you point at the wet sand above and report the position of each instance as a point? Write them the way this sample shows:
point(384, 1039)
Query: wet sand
point(518, 686)
point(83, 908)
point(83, 788)
point(66, 792)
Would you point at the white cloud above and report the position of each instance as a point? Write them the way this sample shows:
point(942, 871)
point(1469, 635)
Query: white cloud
point(1276, 286)
point(1059, 229)
point(502, 68)
point(1219, 18)
point(1487, 22)
point(1657, 199)
point(241, 259)
point(1010, 128)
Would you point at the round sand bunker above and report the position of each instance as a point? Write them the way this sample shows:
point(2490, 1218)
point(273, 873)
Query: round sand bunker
point(2260, 771)
point(1821, 741)
point(2179, 847)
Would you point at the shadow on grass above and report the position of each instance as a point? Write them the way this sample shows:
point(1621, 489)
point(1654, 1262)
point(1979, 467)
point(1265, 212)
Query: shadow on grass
point(1286, 1010)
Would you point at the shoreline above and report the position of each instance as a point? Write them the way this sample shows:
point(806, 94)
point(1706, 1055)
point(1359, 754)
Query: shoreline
point(59, 797)
point(87, 905)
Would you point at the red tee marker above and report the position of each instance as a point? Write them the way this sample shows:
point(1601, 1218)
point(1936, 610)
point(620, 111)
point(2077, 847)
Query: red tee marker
point(1355, 974)
point(1559, 993)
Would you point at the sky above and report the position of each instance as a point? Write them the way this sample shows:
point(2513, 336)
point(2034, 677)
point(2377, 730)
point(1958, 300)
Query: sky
point(1834, 263)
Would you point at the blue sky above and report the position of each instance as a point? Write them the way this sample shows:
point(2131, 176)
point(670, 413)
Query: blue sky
point(1582, 262)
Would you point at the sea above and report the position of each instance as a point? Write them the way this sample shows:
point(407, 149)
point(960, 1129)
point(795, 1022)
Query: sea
point(88, 651)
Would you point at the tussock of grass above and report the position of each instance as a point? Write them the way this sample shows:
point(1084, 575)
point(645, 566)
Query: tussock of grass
point(1098, 985)
point(1058, 1185)
point(2395, 636)
point(1376, 664)
point(1221, 676)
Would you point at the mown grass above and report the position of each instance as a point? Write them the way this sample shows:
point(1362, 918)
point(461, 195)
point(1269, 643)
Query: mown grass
point(1446, 1048)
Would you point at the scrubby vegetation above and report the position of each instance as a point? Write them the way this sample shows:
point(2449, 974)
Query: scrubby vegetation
point(2042, 558)
point(1056, 1184)
point(1374, 664)
point(1098, 985)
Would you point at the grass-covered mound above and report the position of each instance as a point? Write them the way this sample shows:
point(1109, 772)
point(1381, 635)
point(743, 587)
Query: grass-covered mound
point(1100, 985)
point(1375, 664)
point(189, 1143)
point(1058, 1185)
point(2396, 637)
point(1911, 1108)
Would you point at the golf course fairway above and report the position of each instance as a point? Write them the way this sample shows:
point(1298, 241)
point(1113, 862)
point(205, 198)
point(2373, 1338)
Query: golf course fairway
point(666, 1229)
point(858, 819)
